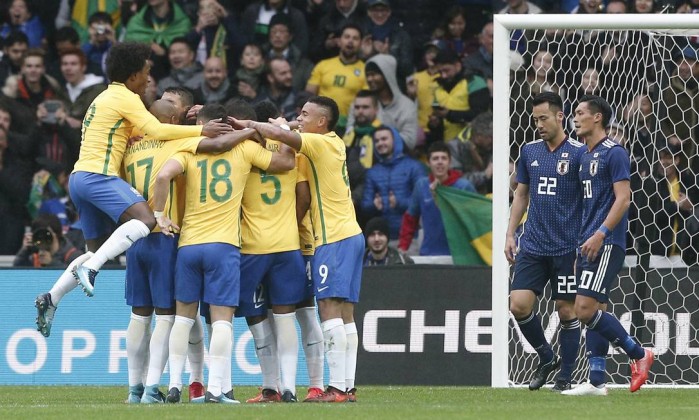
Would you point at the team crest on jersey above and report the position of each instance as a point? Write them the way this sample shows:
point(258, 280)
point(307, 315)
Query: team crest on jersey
point(593, 167)
point(564, 155)
point(562, 167)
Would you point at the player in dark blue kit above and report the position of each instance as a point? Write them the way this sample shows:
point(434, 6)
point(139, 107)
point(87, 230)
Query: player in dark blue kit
point(548, 183)
point(604, 176)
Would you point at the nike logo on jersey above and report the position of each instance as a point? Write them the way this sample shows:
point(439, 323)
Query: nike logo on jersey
point(320, 289)
point(535, 163)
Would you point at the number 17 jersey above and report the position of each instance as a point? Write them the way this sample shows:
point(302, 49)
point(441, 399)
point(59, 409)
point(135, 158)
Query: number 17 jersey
point(554, 213)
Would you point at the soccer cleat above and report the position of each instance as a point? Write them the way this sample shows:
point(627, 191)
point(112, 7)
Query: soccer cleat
point(44, 313)
point(542, 373)
point(352, 395)
point(331, 395)
point(561, 385)
point(229, 395)
point(312, 393)
point(173, 395)
point(265, 396)
point(85, 278)
point(221, 399)
point(586, 389)
point(152, 395)
point(196, 390)
point(640, 369)
point(289, 397)
point(135, 394)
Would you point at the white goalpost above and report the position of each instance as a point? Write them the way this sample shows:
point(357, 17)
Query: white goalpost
point(636, 52)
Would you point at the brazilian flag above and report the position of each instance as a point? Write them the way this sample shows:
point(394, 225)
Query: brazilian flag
point(468, 222)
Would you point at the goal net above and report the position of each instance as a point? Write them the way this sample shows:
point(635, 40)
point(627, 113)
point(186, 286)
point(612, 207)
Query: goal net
point(646, 68)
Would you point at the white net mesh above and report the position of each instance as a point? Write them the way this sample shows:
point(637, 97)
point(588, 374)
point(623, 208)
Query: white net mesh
point(650, 80)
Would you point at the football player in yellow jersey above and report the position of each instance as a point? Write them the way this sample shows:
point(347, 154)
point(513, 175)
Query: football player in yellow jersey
point(337, 263)
point(341, 77)
point(208, 259)
point(102, 198)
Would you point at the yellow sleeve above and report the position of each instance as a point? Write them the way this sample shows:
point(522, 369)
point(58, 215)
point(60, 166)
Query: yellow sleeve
point(302, 166)
point(137, 114)
point(257, 155)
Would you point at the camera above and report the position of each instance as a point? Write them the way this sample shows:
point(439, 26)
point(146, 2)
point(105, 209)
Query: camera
point(42, 239)
point(51, 106)
point(101, 29)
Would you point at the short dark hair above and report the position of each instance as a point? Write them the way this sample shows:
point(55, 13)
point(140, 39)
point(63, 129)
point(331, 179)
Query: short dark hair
point(597, 104)
point(181, 40)
point(265, 110)
point(48, 220)
point(100, 17)
point(240, 109)
point(365, 93)
point(282, 19)
point(15, 37)
point(482, 124)
point(438, 146)
point(330, 105)
point(182, 92)
point(67, 33)
point(446, 57)
point(351, 25)
point(126, 59)
point(551, 98)
point(76, 51)
point(35, 52)
point(212, 112)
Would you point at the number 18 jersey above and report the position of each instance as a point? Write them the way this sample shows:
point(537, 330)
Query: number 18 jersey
point(553, 218)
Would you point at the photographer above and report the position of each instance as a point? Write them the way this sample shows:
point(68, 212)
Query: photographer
point(45, 245)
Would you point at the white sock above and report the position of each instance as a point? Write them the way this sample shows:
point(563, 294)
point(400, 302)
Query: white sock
point(146, 359)
point(219, 354)
point(196, 352)
point(288, 349)
point(120, 240)
point(66, 282)
point(136, 347)
point(266, 350)
point(335, 351)
point(227, 381)
point(312, 339)
point(351, 356)
point(178, 349)
point(159, 346)
point(210, 331)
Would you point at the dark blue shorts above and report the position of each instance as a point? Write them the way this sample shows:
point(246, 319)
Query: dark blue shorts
point(101, 200)
point(270, 279)
point(337, 269)
point(534, 272)
point(208, 272)
point(595, 278)
point(150, 272)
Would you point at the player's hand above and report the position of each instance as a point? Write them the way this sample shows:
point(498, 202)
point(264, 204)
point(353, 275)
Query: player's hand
point(278, 121)
point(166, 226)
point(510, 249)
point(256, 136)
point(240, 124)
point(133, 139)
point(590, 249)
point(378, 202)
point(215, 128)
point(193, 112)
point(392, 199)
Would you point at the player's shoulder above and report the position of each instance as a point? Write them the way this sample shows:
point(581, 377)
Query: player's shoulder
point(609, 143)
point(534, 144)
point(574, 143)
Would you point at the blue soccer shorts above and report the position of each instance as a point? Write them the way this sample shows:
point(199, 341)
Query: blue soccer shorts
point(208, 272)
point(337, 269)
point(150, 272)
point(534, 272)
point(595, 278)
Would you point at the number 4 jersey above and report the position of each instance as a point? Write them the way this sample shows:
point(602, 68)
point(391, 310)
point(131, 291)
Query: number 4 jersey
point(553, 217)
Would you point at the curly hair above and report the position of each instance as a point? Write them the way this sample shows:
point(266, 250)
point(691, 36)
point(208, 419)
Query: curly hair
point(126, 59)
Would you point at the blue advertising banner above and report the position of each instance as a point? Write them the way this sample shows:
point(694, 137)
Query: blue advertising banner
point(88, 339)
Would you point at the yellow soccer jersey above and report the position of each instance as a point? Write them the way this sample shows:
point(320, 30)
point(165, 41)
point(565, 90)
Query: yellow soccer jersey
point(108, 124)
point(214, 192)
point(339, 81)
point(307, 241)
point(142, 162)
point(454, 100)
point(426, 85)
point(269, 211)
point(332, 211)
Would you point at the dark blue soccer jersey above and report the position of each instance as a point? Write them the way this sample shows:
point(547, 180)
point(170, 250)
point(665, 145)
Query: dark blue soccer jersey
point(553, 218)
point(600, 168)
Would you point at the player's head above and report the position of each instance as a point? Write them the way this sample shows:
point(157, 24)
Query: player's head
point(365, 108)
point(164, 111)
point(547, 111)
point(211, 112)
point(182, 98)
point(438, 159)
point(128, 63)
point(265, 110)
point(384, 141)
point(376, 232)
point(318, 115)
point(240, 109)
point(592, 115)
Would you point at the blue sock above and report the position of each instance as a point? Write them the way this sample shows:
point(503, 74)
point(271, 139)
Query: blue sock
point(597, 347)
point(569, 338)
point(532, 331)
point(611, 329)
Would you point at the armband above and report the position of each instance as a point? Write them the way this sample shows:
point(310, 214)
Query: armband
point(605, 231)
point(158, 214)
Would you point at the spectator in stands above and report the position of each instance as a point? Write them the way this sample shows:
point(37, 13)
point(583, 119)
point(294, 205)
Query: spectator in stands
point(14, 47)
point(100, 40)
point(326, 40)
point(54, 138)
point(541, 76)
point(15, 178)
point(216, 34)
point(395, 108)
point(421, 89)
point(643, 6)
point(32, 86)
point(45, 245)
point(389, 184)
point(638, 116)
point(279, 88)
point(480, 62)
point(616, 7)
point(452, 109)
point(423, 207)
point(588, 7)
point(81, 88)
point(78, 13)
point(64, 39)
point(385, 35)
point(216, 88)
point(281, 33)
point(249, 75)
point(22, 20)
point(185, 71)
point(451, 34)
point(341, 77)
point(472, 152)
point(378, 251)
point(520, 7)
point(257, 17)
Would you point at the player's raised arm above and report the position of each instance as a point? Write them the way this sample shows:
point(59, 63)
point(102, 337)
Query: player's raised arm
point(170, 170)
point(303, 200)
point(225, 142)
point(283, 161)
point(271, 131)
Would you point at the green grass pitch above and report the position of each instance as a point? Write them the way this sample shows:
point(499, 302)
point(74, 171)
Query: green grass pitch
point(375, 402)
